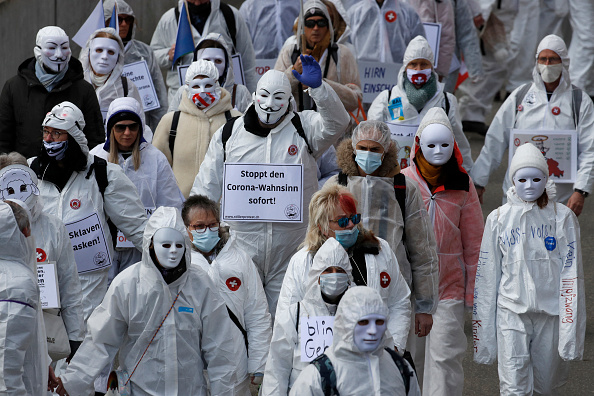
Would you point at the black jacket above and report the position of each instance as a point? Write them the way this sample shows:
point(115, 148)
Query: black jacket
point(24, 102)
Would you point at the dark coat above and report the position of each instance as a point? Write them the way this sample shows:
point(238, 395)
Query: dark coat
point(24, 102)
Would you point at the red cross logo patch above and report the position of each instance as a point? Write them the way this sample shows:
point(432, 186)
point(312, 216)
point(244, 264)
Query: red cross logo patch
point(75, 204)
point(40, 254)
point(293, 149)
point(390, 16)
point(233, 283)
point(520, 107)
point(385, 279)
point(556, 110)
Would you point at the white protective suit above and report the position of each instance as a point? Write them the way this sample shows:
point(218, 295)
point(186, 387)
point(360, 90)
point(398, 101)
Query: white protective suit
point(284, 360)
point(582, 47)
point(240, 100)
point(357, 373)
point(165, 35)
point(23, 349)
point(393, 290)
point(81, 197)
point(240, 287)
point(154, 179)
point(271, 245)
point(537, 114)
point(263, 15)
point(135, 51)
point(419, 48)
point(196, 334)
point(529, 306)
point(381, 34)
point(112, 88)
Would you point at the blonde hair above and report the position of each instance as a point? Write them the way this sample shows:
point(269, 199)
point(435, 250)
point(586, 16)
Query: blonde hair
point(113, 150)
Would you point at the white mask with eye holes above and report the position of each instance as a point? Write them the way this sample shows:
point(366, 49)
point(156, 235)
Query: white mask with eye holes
point(437, 144)
point(103, 54)
point(216, 56)
point(204, 92)
point(272, 97)
point(530, 183)
point(170, 246)
point(369, 332)
point(54, 52)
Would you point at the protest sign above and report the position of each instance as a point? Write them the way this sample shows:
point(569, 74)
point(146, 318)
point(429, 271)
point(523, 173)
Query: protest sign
point(89, 244)
point(316, 335)
point(47, 279)
point(404, 136)
point(433, 33)
point(138, 73)
point(377, 77)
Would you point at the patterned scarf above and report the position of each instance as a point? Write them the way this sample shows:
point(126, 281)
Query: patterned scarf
point(418, 97)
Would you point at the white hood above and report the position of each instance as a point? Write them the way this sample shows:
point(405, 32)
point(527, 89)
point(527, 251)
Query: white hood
point(556, 44)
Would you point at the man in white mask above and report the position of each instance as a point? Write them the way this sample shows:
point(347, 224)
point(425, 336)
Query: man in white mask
point(271, 133)
point(50, 77)
point(549, 103)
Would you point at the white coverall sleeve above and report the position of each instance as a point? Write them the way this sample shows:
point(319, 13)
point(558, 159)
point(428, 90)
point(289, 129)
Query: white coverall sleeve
point(246, 48)
point(257, 321)
point(154, 116)
point(168, 192)
point(309, 383)
point(280, 358)
point(123, 206)
point(209, 180)
point(293, 282)
point(398, 303)
point(585, 174)
point(161, 41)
point(327, 166)
point(459, 135)
point(486, 286)
point(378, 110)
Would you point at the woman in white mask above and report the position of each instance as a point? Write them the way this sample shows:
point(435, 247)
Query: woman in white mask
point(327, 281)
point(203, 109)
point(529, 305)
point(102, 59)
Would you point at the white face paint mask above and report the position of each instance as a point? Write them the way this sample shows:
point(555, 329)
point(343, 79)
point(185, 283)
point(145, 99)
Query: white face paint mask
point(169, 245)
point(103, 54)
point(216, 56)
point(368, 336)
point(54, 52)
point(203, 92)
point(272, 97)
point(530, 183)
point(437, 144)
point(418, 77)
point(550, 73)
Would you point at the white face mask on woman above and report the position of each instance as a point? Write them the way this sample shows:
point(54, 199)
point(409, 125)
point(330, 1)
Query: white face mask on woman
point(203, 92)
point(437, 144)
point(530, 183)
point(369, 331)
point(334, 284)
point(103, 54)
point(169, 245)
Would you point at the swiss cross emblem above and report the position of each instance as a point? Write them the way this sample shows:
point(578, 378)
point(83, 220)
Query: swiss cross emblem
point(75, 204)
point(520, 107)
point(40, 254)
point(556, 110)
point(293, 149)
point(385, 279)
point(233, 283)
point(390, 16)
point(516, 142)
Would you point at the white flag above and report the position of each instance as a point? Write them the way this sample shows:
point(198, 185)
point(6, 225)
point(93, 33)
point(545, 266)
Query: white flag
point(95, 21)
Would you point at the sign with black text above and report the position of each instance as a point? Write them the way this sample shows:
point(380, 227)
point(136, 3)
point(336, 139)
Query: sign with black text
point(316, 335)
point(139, 74)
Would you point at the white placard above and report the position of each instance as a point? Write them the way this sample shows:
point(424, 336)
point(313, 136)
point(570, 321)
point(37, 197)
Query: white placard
point(558, 147)
point(377, 77)
point(139, 74)
point(433, 33)
point(122, 241)
point(89, 244)
point(238, 69)
point(316, 335)
point(263, 65)
point(404, 135)
point(47, 279)
point(181, 74)
point(263, 192)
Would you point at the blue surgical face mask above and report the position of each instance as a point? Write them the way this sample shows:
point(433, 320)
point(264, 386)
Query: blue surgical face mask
point(56, 149)
point(205, 241)
point(347, 238)
point(368, 161)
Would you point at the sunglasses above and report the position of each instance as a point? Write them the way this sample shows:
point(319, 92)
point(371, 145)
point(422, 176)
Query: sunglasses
point(310, 23)
point(121, 128)
point(128, 19)
point(344, 221)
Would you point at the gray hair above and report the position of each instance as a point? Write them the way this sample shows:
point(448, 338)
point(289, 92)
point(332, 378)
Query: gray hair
point(199, 202)
point(12, 158)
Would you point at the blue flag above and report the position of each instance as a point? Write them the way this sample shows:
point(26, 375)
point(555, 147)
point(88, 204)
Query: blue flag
point(184, 42)
point(113, 22)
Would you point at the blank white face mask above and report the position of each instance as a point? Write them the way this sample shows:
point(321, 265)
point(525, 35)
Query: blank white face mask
point(169, 245)
point(550, 73)
point(437, 144)
point(216, 56)
point(530, 183)
point(103, 54)
point(55, 52)
point(368, 337)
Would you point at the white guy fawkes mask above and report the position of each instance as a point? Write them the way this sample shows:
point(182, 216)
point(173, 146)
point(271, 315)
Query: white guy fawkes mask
point(530, 183)
point(204, 92)
point(103, 54)
point(368, 337)
point(437, 144)
point(272, 97)
point(169, 245)
point(216, 56)
point(54, 52)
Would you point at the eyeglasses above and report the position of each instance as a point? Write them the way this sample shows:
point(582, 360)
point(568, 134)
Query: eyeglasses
point(128, 19)
point(55, 134)
point(552, 60)
point(201, 228)
point(344, 221)
point(310, 23)
point(121, 128)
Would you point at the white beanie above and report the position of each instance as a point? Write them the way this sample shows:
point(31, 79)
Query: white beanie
point(202, 67)
point(528, 156)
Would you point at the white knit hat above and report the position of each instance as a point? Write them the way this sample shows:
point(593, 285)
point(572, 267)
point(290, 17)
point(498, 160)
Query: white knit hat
point(528, 156)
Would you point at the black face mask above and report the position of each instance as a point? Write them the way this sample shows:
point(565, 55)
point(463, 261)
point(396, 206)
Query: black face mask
point(169, 275)
point(202, 10)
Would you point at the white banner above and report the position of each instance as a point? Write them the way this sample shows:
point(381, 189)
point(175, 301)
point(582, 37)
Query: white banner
point(377, 77)
point(238, 69)
point(89, 244)
point(139, 74)
point(122, 241)
point(316, 335)
point(47, 279)
point(558, 147)
point(433, 33)
point(263, 192)
point(404, 135)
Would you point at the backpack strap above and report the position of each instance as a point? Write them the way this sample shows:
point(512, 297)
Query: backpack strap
point(402, 367)
point(233, 94)
point(328, 376)
point(228, 115)
point(240, 327)
point(229, 21)
point(296, 121)
point(520, 96)
point(446, 103)
point(297, 318)
point(173, 131)
point(400, 192)
point(343, 179)
point(176, 14)
point(125, 86)
point(226, 134)
point(294, 55)
point(99, 165)
point(576, 96)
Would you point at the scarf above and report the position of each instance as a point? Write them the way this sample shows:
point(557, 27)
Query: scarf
point(98, 81)
point(319, 48)
point(49, 80)
point(431, 173)
point(418, 97)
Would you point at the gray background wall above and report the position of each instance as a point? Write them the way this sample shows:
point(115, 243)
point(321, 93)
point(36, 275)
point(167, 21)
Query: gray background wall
point(21, 19)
